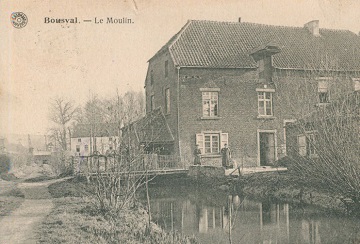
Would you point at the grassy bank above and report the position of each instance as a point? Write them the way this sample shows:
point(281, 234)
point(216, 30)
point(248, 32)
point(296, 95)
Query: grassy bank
point(9, 201)
point(75, 219)
point(285, 187)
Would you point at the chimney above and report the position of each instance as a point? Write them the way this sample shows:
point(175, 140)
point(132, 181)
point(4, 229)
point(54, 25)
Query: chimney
point(313, 27)
point(239, 19)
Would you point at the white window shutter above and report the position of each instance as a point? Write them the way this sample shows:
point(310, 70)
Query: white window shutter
point(224, 139)
point(302, 145)
point(200, 141)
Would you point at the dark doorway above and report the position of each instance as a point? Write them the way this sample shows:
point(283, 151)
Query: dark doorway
point(267, 148)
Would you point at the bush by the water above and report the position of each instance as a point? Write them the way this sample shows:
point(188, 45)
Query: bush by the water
point(4, 163)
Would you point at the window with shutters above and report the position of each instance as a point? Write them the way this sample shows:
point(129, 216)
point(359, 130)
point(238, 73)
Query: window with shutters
point(210, 143)
point(306, 144)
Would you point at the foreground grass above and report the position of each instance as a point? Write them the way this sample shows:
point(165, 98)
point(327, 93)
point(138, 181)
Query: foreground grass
point(10, 201)
point(75, 219)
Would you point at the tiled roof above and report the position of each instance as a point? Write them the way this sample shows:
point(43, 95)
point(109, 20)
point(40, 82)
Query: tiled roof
point(97, 130)
point(153, 128)
point(214, 44)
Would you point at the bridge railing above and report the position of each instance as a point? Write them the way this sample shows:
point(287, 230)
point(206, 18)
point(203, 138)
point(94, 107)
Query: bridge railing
point(119, 163)
point(157, 162)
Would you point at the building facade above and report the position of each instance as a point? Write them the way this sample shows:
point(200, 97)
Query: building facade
point(239, 84)
point(87, 139)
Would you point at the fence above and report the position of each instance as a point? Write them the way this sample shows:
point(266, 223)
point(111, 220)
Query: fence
point(120, 163)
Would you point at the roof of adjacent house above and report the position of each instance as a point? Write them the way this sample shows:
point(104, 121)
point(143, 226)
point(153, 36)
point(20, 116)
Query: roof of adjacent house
point(152, 128)
point(97, 130)
point(213, 44)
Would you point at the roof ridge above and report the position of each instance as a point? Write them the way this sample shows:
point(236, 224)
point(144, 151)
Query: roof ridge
point(268, 25)
point(252, 23)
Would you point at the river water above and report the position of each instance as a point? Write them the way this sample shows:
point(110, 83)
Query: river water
point(207, 213)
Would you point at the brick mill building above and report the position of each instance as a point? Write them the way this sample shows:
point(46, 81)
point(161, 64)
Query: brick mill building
point(240, 83)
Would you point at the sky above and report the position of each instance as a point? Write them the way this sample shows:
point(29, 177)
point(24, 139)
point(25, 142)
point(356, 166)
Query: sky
point(42, 61)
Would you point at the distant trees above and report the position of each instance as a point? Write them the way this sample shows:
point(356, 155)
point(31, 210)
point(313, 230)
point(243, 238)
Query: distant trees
point(115, 111)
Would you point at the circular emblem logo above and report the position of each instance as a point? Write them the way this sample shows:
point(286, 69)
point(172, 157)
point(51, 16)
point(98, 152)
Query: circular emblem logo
point(18, 19)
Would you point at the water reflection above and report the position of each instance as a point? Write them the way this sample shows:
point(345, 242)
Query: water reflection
point(215, 218)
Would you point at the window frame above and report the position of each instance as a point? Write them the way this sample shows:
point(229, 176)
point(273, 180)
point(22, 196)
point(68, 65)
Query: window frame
point(222, 139)
point(308, 148)
point(166, 67)
point(324, 97)
point(152, 77)
point(264, 99)
point(78, 148)
point(323, 93)
point(356, 84)
point(211, 92)
point(152, 102)
point(167, 101)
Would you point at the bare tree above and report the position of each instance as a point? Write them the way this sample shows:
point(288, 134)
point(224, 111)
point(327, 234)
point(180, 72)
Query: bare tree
point(323, 143)
point(62, 113)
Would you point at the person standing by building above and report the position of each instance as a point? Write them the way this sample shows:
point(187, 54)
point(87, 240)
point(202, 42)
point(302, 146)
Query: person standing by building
point(197, 155)
point(226, 155)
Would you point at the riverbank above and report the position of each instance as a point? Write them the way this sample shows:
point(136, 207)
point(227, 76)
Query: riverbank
point(75, 219)
point(284, 187)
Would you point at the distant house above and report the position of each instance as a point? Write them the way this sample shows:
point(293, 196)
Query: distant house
point(41, 157)
point(87, 139)
point(241, 83)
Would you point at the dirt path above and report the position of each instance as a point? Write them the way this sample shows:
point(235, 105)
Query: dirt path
point(19, 226)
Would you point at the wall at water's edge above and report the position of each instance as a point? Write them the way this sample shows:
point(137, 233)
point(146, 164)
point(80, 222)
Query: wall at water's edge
point(207, 174)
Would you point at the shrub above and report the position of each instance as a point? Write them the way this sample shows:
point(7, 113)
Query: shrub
point(4, 163)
